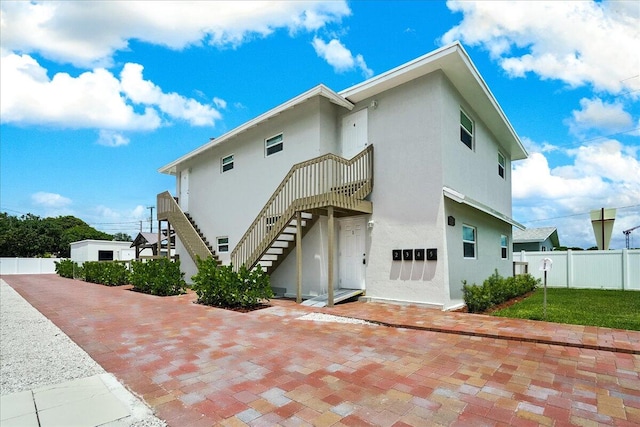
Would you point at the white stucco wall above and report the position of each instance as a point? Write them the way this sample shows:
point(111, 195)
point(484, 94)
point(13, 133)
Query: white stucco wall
point(405, 130)
point(473, 173)
point(488, 252)
point(87, 250)
point(225, 204)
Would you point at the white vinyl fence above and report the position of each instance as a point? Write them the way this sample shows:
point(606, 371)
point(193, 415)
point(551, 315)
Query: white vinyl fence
point(28, 265)
point(615, 269)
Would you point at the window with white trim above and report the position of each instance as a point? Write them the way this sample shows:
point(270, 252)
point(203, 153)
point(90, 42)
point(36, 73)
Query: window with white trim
point(273, 145)
point(502, 162)
point(466, 130)
point(469, 241)
point(223, 244)
point(504, 246)
point(226, 163)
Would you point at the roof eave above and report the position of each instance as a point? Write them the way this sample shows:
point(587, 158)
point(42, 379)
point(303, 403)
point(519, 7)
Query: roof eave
point(454, 61)
point(319, 90)
point(463, 199)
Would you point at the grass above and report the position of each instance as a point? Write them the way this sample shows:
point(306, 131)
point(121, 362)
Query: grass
point(589, 307)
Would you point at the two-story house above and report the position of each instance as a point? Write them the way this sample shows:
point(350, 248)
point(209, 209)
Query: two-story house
point(398, 188)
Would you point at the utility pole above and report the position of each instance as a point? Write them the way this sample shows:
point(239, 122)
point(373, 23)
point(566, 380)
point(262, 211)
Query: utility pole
point(151, 219)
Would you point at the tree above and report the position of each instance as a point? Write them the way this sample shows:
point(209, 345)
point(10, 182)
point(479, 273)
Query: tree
point(122, 237)
point(32, 236)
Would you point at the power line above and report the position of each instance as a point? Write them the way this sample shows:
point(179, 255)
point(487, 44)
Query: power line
point(577, 214)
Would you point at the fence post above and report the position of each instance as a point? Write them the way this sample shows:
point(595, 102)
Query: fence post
point(569, 268)
point(625, 268)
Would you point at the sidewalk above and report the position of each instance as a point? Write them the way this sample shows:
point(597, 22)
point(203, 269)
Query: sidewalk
point(201, 366)
point(99, 400)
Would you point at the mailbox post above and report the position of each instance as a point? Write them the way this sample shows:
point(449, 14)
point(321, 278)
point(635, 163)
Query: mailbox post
point(545, 265)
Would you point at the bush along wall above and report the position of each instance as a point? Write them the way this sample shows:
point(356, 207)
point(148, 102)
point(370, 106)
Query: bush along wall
point(157, 277)
point(67, 268)
point(496, 290)
point(105, 273)
point(220, 286)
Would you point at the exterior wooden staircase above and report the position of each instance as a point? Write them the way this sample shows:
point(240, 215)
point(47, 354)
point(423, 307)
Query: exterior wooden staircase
point(310, 188)
point(187, 231)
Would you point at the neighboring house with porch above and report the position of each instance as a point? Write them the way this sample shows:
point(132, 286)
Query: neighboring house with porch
point(535, 239)
point(293, 189)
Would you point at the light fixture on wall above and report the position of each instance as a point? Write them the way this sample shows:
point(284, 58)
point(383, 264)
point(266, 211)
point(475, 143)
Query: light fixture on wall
point(374, 104)
point(371, 223)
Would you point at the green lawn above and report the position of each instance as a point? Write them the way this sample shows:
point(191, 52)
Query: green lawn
point(592, 307)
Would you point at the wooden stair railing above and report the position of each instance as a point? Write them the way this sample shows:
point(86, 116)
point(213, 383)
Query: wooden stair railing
point(324, 181)
point(169, 210)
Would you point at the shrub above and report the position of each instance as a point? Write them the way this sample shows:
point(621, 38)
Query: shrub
point(157, 277)
point(67, 268)
point(496, 290)
point(220, 286)
point(105, 273)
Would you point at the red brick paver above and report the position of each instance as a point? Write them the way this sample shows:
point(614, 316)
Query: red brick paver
point(197, 365)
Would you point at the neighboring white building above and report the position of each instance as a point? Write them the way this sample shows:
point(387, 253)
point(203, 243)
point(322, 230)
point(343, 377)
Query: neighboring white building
point(430, 209)
point(101, 250)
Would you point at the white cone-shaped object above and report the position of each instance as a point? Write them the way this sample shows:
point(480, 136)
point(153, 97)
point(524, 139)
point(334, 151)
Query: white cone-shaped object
point(602, 222)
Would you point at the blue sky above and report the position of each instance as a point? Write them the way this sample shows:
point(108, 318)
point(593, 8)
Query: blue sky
point(96, 96)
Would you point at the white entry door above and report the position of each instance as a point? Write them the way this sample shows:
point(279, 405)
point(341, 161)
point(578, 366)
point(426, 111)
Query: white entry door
point(183, 197)
point(354, 133)
point(351, 253)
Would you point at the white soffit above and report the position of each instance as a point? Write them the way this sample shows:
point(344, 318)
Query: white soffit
point(454, 61)
point(320, 90)
point(461, 198)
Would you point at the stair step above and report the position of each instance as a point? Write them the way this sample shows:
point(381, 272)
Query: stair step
point(280, 244)
point(269, 257)
point(275, 251)
point(265, 263)
point(294, 223)
point(286, 238)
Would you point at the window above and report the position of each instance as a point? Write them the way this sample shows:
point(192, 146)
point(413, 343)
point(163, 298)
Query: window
point(223, 244)
point(466, 130)
point(226, 163)
point(469, 241)
point(105, 255)
point(273, 145)
point(504, 246)
point(501, 165)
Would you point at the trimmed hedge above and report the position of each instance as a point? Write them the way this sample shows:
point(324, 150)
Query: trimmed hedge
point(157, 277)
point(219, 285)
point(496, 290)
point(108, 273)
point(67, 268)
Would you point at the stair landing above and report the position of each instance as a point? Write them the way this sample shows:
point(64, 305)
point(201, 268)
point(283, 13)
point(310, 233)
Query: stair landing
point(338, 296)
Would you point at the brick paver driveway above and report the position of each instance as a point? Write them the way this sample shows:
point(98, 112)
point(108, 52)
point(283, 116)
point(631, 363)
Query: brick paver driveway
point(200, 366)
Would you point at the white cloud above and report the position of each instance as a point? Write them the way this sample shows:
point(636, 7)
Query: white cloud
point(50, 200)
point(339, 57)
point(112, 139)
point(145, 92)
point(220, 103)
point(577, 42)
point(93, 99)
point(87, 33)
point(599, 115)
